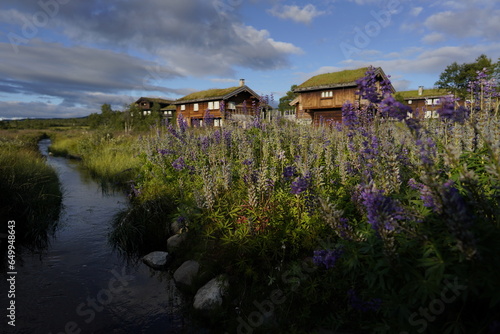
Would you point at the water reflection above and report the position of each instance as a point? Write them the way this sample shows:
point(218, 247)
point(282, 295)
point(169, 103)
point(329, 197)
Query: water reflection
point(79, 283)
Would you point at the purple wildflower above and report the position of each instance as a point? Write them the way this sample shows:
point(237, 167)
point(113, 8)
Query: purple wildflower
point(289, 172)
point(361, 305)
point(426, 195)
point(248, 162)
point(301, 184)
point(327, 257)
point(349, 116)
point(182, 123)
point(383, 212)
point(368, 88)
point(179, 163)
point(390, 107)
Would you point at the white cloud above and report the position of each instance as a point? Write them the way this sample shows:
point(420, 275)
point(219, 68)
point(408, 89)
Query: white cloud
point(295, 13)
point(467, 22)
point(434, 38)
point(415, 11)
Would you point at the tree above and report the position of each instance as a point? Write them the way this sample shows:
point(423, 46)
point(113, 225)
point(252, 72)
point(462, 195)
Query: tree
point(457, 77)
point(285, 100)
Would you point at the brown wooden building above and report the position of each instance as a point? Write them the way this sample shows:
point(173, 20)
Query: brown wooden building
point(321, 97)
point(167, 109)
point(425, 102)
point(234, 103)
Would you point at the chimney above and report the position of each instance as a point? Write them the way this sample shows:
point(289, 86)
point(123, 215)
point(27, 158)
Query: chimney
point(420, 90)
point(242, 82)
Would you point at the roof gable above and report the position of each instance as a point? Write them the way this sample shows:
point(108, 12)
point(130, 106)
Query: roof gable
point(332, 80)
point(413, 94)
point(154, 99)
point(215, 94)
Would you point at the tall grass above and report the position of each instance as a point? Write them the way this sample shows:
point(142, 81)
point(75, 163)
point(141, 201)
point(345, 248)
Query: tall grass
point(110, 159)
point(30, 191)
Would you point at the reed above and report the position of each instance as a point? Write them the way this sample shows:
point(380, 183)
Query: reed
point(30, 190)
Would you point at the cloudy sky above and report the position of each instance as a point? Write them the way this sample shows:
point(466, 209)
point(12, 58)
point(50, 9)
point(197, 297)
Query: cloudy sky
point(65, 58)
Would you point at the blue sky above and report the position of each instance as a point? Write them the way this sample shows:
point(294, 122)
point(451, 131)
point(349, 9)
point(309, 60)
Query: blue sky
point(65, 58)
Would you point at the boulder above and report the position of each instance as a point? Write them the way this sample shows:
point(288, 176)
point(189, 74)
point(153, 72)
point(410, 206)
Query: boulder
point(157, 260)
point(175, 241)
point(185, 274)
point(209, 297)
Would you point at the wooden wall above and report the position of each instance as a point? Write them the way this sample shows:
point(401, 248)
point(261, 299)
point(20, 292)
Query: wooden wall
point(313, 99)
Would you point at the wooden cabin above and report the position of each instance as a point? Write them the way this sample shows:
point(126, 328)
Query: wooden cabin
point(167, 109)
point(424, 102)
point(234, 103)
point(321, 97)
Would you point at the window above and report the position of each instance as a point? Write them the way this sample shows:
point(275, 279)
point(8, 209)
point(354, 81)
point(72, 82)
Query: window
point(183, 107)
point(327, 94)
point(216, 105)
point(409, 102)
point(210, 105)
point(231, 105)
point(437, 101)
point(196, 107)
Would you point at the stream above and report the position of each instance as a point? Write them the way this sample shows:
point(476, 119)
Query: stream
point(80, 284)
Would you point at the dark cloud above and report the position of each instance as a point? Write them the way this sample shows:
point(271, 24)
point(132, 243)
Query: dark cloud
point(87, 52)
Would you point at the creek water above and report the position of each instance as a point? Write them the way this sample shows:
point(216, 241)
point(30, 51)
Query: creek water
point(80, 284)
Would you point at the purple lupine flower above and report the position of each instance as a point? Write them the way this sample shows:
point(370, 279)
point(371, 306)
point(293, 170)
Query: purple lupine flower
point(427, 150)
point(179, 163)
point(426, 195)
point(383, 212)
point(327, 257)
point(205, 143)
point(289, 172)
point(182, 123)
point(368, 88)
point(208, 118)
point(228, 138)
point(349, 116)
point(217, 136)
point(165, 152)
point(301, 184)
point(361, 305)
point(390, 107)
point(247, 162)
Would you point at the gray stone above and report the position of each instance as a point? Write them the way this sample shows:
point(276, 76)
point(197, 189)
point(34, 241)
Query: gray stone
point(175, 241)
point(156, 260)
point(185, 274)
point(175, 227)
point(209, 297)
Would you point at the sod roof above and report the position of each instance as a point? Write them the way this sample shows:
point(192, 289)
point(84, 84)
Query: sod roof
point(413, 94)
point(330, 80)
point(154, 99)
point(208, 94)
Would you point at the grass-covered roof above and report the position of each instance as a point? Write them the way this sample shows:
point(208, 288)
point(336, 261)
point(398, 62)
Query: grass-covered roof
point(155, 99)
point(335, 78)
point(413, 94)
point(209, 93)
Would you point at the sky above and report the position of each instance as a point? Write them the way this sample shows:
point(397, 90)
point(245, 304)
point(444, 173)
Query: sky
point(65, 58)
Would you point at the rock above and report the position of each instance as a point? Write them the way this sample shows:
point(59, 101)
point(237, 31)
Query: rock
point(175, 241)
point(209, 297)
point(175, 227)
point(185, 274)
point(156, 260)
